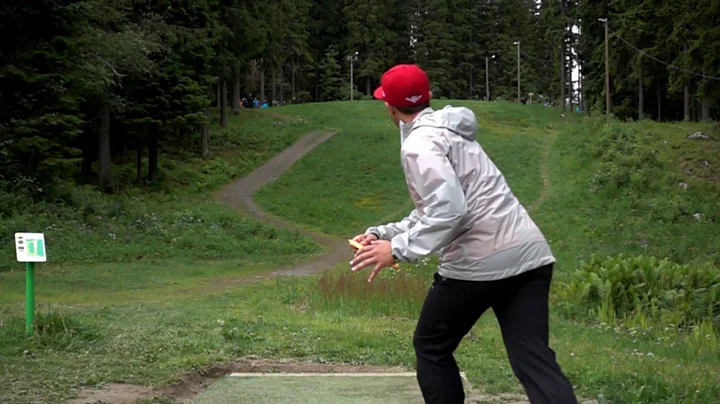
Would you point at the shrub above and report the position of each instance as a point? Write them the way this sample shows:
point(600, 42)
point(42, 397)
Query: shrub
point(644, 290)
point(624, 161)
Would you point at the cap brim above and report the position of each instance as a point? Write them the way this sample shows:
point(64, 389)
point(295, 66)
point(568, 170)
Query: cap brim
point(379, 93)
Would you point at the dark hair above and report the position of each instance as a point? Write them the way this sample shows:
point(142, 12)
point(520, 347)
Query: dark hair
point(414, 109)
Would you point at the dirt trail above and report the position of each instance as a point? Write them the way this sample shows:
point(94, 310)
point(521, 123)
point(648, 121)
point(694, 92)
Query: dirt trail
point(544, 175)
point(239, 195)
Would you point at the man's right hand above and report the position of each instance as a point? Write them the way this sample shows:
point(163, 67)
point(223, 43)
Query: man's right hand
point(365, 239)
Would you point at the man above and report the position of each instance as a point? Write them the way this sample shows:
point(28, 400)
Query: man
point(492, 254)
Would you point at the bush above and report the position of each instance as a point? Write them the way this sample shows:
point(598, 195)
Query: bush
point(624, 161)
point(644, 290)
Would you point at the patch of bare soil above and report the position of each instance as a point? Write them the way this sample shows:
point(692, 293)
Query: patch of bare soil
point(115, 393)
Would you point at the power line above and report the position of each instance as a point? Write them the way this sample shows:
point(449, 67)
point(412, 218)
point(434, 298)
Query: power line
point(534, 58)
point(664, 63)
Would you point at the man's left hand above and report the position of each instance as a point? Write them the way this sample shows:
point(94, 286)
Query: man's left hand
point(378, 254)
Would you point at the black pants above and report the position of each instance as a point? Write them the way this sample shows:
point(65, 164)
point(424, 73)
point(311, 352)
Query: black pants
point(520, 304)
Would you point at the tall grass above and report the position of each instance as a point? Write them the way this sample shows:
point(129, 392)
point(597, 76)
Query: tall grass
point(396, 295)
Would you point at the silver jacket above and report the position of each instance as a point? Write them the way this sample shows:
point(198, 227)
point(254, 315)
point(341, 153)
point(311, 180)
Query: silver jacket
point(464, 209)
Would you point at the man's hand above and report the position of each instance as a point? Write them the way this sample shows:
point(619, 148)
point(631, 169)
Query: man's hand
point(377, 254)
point(365, 239)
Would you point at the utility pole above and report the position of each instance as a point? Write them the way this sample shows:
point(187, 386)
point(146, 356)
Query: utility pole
point(352, 58)
point(607, 68)
point(518, 70)
point(487, 80)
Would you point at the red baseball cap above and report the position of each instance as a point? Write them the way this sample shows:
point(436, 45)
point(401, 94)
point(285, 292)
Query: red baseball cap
point(404, 85)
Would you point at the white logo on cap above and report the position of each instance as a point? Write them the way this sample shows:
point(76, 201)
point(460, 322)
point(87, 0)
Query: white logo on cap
point(414, 99)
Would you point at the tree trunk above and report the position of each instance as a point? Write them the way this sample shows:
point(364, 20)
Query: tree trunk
point(294, 66)
point(104, 155)
point(236, 93)
point(368, 86)
point(706, 111)
point(262, 85)
point(687, 103)
point(281, 84)
point(138, 162)
point(90, 149)
point(470, 83)
point(317, 84)
point(705, 106)
point(205, 136)
point(641, 97)
point(274, 82)
point(659, 89)
point(223, 105)
point(687, 95)
point(219, 86)
point(122, 149)
point(153, 156)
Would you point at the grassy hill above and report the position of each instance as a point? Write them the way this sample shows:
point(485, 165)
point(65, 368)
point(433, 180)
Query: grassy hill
point(592, 188)
point(152, 282)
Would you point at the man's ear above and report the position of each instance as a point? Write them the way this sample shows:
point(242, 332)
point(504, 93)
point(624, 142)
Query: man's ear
point(430, 93)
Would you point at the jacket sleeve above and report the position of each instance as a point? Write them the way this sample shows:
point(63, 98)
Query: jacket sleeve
point(390, 230)
point(430, 173)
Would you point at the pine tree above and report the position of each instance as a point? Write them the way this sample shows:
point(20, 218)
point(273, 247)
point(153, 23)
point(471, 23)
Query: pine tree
point(331, 80)
point(327, 27)
point(433, 44)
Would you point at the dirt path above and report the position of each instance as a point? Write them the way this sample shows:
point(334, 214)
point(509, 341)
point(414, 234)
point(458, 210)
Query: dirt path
point(544, 175)
point(239, 195)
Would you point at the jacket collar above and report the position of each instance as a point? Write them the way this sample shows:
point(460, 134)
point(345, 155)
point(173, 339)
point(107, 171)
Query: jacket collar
point(406, 128)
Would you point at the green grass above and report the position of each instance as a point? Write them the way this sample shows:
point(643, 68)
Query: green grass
point(152, 341)
point(168, 293)
point(617, 190)
point(145, 244)
point(174, 218)
point(313, 390)
point(357, 176)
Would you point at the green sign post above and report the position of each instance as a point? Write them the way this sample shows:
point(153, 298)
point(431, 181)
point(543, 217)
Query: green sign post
point(30, 248)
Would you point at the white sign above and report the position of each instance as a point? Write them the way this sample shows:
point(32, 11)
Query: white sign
point(30, 247)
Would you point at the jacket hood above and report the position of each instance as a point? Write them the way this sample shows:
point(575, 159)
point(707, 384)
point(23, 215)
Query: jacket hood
point(459, 120)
